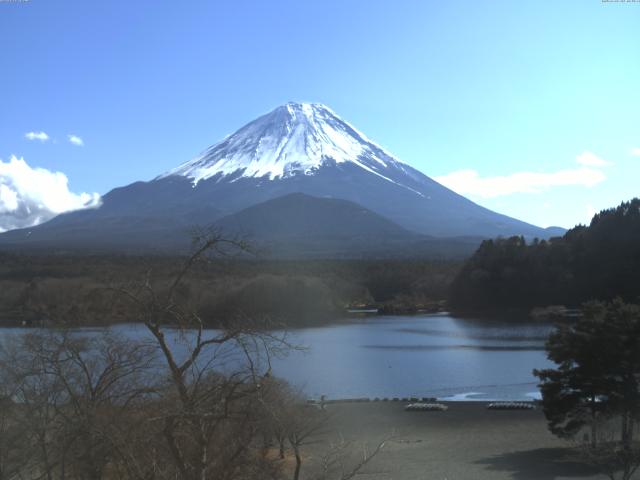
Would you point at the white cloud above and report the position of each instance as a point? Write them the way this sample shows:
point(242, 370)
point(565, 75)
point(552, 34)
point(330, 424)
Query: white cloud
point(76, 140)
point(635, 152)
point(590, 159)
point(43, 137)
point(29, 196)
point(469, 182)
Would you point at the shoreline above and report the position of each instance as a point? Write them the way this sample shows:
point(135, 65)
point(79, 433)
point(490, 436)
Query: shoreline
point(408, 400)
point(339, 318)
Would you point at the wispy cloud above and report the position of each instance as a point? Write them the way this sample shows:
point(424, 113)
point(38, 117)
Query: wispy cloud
point(470, 182)
point(76, 140)
point(590, 159)
point(635, 152)
point(42, 136)
point(29, 196)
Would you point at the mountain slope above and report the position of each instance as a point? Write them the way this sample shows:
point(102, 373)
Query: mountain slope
point(308, 148)
point(295, 148)
point(298, 215)
point(299, 225)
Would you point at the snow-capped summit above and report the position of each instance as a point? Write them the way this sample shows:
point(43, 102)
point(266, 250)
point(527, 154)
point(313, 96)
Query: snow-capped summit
point(293, 139)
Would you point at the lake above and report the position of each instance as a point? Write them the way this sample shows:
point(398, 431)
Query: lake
point(402, 356)
point(422, 356)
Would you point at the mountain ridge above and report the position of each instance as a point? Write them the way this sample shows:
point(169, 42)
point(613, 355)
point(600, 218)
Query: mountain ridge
point(293, 138)
point(304, 148)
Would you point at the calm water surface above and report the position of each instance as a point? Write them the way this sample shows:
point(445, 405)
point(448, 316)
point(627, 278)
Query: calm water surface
point(399, 356)
point(429, 355)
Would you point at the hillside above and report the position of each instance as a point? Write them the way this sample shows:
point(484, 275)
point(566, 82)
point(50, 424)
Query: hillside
point(600, 261)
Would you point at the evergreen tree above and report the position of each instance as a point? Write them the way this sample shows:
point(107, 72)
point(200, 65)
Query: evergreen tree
point(598, 370)
point(514, 274)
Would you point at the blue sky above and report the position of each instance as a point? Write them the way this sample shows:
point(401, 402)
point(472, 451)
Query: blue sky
point(531, 108)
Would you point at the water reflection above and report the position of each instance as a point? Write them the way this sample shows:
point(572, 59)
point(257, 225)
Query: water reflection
point(507, 348)
point(391, 356)
point(429, 355)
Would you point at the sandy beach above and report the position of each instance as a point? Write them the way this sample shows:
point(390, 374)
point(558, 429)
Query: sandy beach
point(466, 442)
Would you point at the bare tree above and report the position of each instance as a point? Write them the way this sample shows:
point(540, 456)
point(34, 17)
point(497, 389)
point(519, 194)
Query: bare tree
point(35, 399)
point(187, 403)
point(303, 426)
point(608, 454)
point(338, 464)
point(71, 392)
point(12, 441)
point(211, 397)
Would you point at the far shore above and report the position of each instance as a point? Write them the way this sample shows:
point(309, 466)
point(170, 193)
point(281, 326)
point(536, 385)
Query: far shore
point(467, 441)
point(320, 320)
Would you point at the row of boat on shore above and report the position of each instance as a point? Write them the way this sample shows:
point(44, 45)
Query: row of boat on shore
point(422, 403)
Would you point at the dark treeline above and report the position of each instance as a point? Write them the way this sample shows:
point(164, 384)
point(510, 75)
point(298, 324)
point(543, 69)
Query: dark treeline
point(599, 261)
point(76, 290)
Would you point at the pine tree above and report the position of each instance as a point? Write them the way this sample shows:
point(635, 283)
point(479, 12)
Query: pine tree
point(597, 379)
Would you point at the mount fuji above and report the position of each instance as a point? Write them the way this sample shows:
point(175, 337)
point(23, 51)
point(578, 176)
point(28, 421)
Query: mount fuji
point(298, 148)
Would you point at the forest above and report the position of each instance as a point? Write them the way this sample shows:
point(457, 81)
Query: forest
point(600, 261)
point(76, 290)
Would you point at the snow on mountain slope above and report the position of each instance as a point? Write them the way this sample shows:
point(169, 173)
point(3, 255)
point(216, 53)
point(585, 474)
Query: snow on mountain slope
point(298, 148)
point(293, 139)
